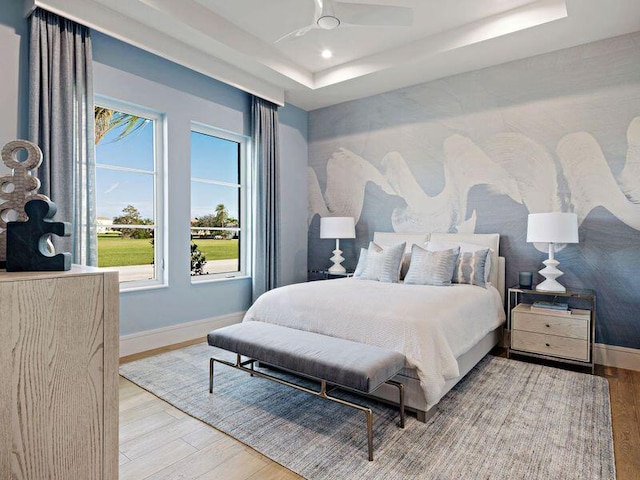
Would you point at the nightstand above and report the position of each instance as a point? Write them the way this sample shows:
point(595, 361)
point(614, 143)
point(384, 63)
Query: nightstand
point(552, 335)
point(313, 275)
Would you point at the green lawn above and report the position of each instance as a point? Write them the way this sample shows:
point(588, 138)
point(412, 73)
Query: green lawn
point(118, 252)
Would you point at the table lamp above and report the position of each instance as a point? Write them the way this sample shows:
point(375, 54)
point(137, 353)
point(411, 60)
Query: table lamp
point(337, 227)
point(552, 228)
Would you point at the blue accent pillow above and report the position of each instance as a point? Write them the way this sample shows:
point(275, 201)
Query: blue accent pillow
point(431, 268)
point(470, 268)
point(383, 264)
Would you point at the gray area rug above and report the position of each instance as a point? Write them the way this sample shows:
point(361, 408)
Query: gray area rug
point(505, 420)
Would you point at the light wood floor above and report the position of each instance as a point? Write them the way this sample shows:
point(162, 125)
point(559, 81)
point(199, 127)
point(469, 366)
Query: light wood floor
point(159, 442)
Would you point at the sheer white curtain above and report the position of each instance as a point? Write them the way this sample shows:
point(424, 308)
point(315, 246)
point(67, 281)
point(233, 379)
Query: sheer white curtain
point(61, 123)
point(264, 135)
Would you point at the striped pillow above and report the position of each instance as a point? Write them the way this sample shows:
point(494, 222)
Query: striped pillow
point(384, 264)
point(431, 268)
point(471, 267)
point(464, 247)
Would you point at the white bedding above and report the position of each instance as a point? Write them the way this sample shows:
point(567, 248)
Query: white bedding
point(430, 325)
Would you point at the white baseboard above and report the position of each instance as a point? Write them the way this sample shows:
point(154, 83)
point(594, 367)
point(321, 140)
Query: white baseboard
point(182, 332)
point(614, 356)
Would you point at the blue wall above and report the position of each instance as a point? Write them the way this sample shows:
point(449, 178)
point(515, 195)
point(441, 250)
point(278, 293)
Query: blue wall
point(479, 151)
point(293, 194)
point(130, 74)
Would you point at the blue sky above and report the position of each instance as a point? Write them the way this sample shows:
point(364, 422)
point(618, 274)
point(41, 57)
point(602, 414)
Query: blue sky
point(211, 158)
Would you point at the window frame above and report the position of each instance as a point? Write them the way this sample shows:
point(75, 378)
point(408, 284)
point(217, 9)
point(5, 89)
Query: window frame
point(245, 210)
point(160, 240)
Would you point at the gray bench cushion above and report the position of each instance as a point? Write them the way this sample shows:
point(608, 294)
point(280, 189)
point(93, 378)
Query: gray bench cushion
point(342, 362)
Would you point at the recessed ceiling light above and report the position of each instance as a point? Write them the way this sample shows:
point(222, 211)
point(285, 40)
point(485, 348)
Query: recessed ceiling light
point(326, 53)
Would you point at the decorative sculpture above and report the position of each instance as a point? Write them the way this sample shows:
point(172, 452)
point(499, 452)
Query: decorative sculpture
point(17, 188)
point(25, 215)
point(27, 248)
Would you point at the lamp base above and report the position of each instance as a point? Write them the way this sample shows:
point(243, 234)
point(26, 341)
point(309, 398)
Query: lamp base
point(337, 259)
point(550, 273)
point(337, 269)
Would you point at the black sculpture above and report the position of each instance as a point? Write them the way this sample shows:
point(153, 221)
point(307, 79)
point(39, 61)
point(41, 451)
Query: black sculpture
point(27, 248)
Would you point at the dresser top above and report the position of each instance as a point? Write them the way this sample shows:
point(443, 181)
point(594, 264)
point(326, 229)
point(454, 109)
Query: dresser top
point(76, 270)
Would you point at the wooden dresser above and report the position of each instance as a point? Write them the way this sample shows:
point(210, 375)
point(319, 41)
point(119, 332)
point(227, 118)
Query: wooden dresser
point(59, 374)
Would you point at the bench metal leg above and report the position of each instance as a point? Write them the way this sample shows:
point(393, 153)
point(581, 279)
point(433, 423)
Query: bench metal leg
point(369, 416)
point(239, 365)
point(211, 375)
point(400, 388)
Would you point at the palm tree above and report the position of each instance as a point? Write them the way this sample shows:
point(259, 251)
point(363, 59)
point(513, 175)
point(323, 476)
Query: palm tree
point(221, 214)
point(106, 119)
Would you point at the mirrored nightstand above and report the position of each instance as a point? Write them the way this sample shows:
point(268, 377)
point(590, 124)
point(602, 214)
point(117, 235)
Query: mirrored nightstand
point(552, 335)
point(313, 275)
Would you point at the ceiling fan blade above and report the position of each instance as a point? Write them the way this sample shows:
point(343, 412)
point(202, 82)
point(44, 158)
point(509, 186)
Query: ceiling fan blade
point(318, 8)
point(297, 33)
point(367, 14)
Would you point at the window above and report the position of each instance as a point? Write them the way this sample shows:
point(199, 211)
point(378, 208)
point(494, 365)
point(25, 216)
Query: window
point(218, 204)
point(128, 193)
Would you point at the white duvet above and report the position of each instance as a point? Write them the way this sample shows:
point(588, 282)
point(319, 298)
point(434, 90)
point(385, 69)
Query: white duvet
point(431, 326)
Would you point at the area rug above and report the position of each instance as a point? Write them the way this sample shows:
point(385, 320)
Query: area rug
point(506, 420)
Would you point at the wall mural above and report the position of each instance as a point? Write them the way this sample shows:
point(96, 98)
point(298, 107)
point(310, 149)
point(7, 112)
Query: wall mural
point(477, 152)
point(536, 184)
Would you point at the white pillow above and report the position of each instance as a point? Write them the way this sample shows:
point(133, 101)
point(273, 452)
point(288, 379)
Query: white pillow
point(383, 265)
point(431, 267)
point(362, 259)
point(464, 248)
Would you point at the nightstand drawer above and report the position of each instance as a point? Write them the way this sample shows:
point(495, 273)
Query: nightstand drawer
point(550, 345)
point(574, 326)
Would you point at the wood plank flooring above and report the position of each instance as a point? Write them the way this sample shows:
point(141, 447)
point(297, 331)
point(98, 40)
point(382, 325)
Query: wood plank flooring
point(624, 389)
point(159, 442)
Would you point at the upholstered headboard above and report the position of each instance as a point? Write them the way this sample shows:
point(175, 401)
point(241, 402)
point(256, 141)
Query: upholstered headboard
point(490, 240)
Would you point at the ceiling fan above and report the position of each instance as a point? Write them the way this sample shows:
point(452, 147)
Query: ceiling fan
point(331, 14)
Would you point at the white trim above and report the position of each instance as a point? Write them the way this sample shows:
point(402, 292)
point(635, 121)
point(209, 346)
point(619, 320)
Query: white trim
point(614, 356)
point(95, 15)
point(160, 209)
point(182, 332)
point(245, 216)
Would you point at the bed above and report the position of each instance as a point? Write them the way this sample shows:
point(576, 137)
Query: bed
point(443, 331)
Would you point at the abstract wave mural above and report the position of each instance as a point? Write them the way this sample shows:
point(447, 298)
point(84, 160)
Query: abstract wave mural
point(582, 166)
point(447, 157)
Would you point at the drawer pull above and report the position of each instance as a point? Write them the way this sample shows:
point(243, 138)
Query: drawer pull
point(548, 326)
point(547, 345)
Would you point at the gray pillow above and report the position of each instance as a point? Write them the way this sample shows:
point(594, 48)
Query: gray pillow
point(470, 268)
point(431, 268)
point(384, 264)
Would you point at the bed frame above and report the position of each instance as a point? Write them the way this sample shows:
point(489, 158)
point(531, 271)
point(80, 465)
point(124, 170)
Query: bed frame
point(414, 396)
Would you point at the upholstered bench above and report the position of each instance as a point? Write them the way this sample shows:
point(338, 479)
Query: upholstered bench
point(334, 362)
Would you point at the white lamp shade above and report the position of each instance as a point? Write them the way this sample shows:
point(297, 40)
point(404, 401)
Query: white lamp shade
point(553, 227)
point(337, 227)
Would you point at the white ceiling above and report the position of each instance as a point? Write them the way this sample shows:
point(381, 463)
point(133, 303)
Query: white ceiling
point(233, 40)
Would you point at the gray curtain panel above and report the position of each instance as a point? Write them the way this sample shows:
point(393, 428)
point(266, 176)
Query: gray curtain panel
point(264, 135)
point(61, 123)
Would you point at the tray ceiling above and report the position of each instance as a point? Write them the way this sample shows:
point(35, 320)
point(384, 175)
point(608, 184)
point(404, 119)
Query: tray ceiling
point(235, 41)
